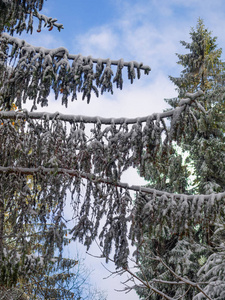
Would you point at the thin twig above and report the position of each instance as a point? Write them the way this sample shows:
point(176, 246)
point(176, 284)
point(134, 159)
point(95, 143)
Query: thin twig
point(137, 278)
point(187, 281)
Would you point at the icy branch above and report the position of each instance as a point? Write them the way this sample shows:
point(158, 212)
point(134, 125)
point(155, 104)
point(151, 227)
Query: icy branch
point(80, 118)
point(59, 52)
point(48, 21)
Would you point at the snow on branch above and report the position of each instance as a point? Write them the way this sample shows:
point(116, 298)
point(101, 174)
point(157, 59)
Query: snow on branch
point(60, 152)
point(110, 149)
point(23, 114)
point(173, 113)
point(137, 188)
point(48, 21)
point(15, 14)
point(111, 202)
point(181, 213)
point(39, 69)
point(110, 146)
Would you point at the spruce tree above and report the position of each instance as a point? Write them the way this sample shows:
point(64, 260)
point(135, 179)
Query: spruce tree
point(88, 156)
point(202, 155)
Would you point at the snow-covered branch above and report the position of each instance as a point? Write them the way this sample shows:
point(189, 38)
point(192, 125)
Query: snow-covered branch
point(18, 17)
point(112, 199)
point(61, 51)
point(110, 145)
point(106, 121)
point(48, 21)
point(24, 114)
point(96, 179)
point(185, 280)
point(39, 69)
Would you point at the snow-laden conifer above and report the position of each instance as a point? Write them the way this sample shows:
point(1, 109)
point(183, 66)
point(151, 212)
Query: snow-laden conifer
point(44, 155)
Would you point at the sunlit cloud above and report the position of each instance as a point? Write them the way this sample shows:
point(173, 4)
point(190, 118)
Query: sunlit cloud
point(100, 42)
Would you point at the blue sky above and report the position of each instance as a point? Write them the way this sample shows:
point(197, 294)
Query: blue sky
point(147, 31)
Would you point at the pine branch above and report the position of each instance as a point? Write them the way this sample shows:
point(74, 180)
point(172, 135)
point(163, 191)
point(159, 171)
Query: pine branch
point(48, 21)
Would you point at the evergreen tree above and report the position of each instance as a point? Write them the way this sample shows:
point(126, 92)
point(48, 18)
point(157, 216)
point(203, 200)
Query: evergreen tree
point(56, 153)
point(204, 151)
point(203, 68)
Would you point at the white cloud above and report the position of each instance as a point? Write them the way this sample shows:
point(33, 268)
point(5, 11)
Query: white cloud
point(46, 39)
point(133, 36)
point(151, 31)
point(101, 42)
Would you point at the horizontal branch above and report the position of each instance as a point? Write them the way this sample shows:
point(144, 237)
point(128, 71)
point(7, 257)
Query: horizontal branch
point(96, 179)
point(59, 52)
point(58, 70)
point(23, 114)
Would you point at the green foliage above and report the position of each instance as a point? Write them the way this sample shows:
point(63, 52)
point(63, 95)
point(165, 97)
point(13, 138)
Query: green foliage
point(203, 68)
point(193, 252)
point(161, 172)
point(29, 262)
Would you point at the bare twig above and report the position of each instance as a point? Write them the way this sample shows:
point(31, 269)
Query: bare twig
point(187, 281)
point(134, 276)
